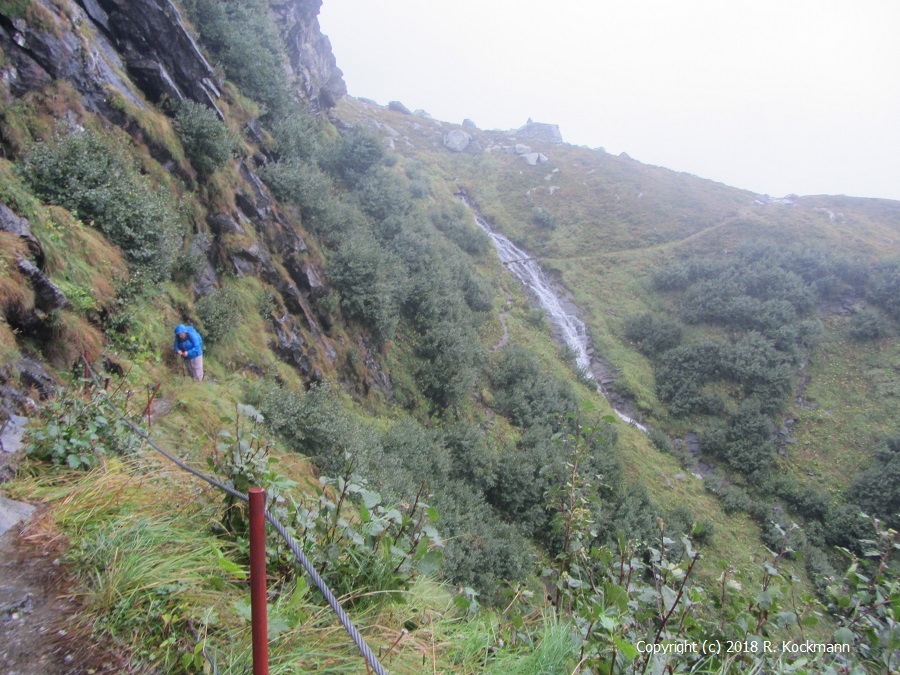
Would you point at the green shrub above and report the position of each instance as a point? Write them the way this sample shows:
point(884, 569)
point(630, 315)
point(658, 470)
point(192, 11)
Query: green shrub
point(473, 458)
point(745, 443)
point(661, 442)
point(868, 326)
point(298, 136)
point(884, 288)
point(703, 532)
point(94, 176)
point(219, 313)
point(651, 334)
point(78, 427)
point(845, 526)
point(457, 224)
point(206, 140)
point(303, 184)
point(420, 187)
point(450, 360)
point(419, 456)
point(315, 424)
point(188, 263)
point(878, 488)
point(543, 218)
point(357, 153)
point(735, 499)
point(371, 283)
point(246, 42)
point(482, 551)
point(526, 394)
point(818, 567)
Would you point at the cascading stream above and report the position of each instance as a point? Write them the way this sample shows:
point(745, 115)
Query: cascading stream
point(569, 327)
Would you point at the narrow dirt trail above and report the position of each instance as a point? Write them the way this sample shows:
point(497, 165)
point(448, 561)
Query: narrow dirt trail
point(40, 632)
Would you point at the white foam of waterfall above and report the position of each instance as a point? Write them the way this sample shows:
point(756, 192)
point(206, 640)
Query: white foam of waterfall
point(568, 326)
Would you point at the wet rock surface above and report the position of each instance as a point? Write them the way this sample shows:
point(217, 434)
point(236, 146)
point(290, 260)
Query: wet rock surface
point(310, 51)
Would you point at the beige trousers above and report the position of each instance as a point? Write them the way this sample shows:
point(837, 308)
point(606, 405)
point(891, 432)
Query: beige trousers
point(197, 368)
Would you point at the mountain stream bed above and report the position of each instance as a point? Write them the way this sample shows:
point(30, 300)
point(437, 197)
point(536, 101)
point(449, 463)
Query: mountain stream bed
point(560, 311)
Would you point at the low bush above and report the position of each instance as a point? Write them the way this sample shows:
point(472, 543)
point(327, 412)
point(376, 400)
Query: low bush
point(219, 313)
point(878, 488)
point(867, 326)
point(528, 395)
point(79, 426)
point(457, 224)
point(93, 175)
point(652, 334)
point(371, 283)
point(735, 499)
point(543, 218)
point(206, 139)
point(246, 42)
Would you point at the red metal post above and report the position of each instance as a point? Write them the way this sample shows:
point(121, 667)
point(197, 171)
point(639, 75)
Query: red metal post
point(259, 621)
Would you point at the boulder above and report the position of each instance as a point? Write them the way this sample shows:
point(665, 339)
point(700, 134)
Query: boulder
point(469, 124)
point(11, 222)
point(36, 56)
point(456, 140)
point(47, 296)
point(534, 158)
point(423, 114)
point(305, 275)
point(538, 131)
point(33, 375)
point(396, 106)
point(221, 224)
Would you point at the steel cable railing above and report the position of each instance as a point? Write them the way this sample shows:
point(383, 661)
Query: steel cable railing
point(326, 592)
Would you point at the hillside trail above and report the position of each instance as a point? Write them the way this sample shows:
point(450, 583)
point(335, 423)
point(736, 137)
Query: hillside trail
point(41, 631)
point(667, 244)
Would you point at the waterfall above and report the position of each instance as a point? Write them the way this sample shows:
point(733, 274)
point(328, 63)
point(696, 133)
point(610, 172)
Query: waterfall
point(569, 327)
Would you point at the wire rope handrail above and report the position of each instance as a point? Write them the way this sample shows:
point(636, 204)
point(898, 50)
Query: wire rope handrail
point(326, 592)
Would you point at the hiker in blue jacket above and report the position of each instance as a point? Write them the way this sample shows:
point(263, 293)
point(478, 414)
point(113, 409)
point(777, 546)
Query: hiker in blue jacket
point(189, 346)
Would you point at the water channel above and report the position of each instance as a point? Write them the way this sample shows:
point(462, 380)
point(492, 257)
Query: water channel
point(566, 325)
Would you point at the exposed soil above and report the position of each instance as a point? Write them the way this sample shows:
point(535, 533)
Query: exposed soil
point(39, 628)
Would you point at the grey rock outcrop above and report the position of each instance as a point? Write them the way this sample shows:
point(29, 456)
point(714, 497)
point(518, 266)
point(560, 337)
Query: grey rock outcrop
point(289, 343)
point(457, 140)
point(11, 222)
point(221, 224)
point(47, 296)
point(396, 106)
point(469, 124)
point(538, 131)
point(309, 51)
point(534, 158)
point(160, 55)
point(36, 57)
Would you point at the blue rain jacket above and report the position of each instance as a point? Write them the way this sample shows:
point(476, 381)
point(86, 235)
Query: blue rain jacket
point(192, 344)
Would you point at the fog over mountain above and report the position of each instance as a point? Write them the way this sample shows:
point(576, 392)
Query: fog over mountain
point(768, 96)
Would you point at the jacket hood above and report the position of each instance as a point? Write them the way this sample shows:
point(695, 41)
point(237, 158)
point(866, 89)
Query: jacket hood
point(180, 328)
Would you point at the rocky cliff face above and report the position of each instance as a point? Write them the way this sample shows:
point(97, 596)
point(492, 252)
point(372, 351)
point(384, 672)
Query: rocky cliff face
point(93, 43)
point(310, 52)
point(141, 52)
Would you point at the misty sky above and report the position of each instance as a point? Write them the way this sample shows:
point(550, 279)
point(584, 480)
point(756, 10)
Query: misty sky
point(774, 96)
